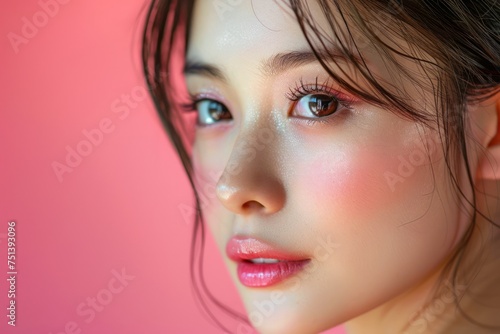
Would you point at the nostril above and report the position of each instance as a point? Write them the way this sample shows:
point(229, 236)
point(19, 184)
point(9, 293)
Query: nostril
point(252, 205)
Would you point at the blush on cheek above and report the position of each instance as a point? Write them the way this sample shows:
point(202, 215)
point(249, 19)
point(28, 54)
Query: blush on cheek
point(344, 181)
point(365, 183)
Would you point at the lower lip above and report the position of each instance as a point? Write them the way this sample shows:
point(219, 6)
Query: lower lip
point(266, 274)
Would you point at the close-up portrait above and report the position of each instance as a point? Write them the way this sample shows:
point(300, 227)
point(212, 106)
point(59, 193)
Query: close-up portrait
point(251, 166)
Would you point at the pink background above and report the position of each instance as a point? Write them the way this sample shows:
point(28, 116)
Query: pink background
point(118, 208)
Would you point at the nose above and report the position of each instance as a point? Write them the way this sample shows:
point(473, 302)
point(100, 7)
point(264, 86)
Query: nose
point(251, 182)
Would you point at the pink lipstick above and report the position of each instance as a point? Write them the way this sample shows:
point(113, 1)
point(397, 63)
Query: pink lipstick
point(260, 264)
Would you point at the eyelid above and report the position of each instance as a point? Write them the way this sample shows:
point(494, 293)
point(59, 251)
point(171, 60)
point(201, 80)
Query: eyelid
point(295, 94)
point(194, 99)
point(204, 96)
point(301, 89)
point(193, 107)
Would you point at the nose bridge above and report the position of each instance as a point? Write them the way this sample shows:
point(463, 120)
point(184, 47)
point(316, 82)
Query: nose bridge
point(251, 154)
point(251, 180)
point(257, 139)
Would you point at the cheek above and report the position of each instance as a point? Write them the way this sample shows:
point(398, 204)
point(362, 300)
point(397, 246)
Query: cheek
point(365, 183)
point(206, 173)
point(382, 204)
point(209, 161)
point(394, 236)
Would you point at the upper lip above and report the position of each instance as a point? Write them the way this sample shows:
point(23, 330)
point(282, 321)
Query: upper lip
point(240, 248)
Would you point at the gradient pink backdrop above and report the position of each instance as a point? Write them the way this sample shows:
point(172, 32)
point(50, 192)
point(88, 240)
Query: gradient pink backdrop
point(118, 209)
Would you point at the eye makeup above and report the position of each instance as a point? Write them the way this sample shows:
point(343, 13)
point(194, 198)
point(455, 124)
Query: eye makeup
point(312, 103)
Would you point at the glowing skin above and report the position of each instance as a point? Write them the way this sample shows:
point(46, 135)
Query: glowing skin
point(273, 175)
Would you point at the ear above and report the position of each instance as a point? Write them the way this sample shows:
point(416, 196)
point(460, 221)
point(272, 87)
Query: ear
point(489, 165)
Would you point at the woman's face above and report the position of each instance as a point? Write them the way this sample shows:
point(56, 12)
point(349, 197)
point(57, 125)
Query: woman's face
point(293, 168)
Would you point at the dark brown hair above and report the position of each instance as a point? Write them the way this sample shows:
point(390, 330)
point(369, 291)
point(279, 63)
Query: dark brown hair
point(455, 43)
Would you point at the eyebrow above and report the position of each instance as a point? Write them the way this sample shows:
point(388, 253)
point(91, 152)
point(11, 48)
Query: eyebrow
point(273, 65)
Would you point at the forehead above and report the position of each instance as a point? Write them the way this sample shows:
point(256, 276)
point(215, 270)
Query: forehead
point(247, 30)
point(237, 35)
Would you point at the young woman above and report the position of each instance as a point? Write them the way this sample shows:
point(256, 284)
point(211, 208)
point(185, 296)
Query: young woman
point(344, 154)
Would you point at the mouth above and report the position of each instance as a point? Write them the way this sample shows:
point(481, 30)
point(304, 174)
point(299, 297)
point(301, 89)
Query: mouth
point(260, 264)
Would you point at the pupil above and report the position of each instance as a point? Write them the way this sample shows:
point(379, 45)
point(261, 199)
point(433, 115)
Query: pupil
point(322, 105)
point(217, 111)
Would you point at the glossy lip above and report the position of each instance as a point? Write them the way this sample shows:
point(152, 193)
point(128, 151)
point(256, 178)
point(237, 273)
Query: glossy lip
point(243, 249)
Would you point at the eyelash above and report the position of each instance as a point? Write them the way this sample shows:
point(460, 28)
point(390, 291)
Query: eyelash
point(294, 95)
point(190, 106)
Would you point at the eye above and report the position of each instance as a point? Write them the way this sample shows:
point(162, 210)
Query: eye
point(315, 102)
point(211, 111)
point(316, 105)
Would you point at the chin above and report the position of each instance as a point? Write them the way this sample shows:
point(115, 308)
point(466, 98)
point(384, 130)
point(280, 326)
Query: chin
point(286, 319)
point(291, 325)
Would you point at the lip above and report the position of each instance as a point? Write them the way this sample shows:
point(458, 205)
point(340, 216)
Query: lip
point(244, 249)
